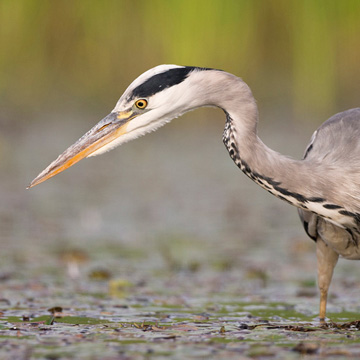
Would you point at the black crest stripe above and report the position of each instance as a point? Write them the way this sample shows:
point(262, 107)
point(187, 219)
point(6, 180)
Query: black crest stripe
point(162, 81)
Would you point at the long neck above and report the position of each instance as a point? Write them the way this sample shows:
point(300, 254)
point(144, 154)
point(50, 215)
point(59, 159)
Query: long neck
point(298, 182)
point(273, 171)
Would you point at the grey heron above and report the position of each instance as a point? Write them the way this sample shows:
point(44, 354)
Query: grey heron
point(324, 185)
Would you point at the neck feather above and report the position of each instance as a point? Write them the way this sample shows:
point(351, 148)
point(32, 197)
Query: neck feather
point(301, 183)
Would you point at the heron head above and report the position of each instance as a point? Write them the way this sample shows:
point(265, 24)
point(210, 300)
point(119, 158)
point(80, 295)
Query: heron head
point(153, 99)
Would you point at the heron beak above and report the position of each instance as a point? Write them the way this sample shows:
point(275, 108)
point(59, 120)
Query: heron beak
point(107, 130)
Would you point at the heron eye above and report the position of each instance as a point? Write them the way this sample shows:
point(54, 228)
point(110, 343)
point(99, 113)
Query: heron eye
point(141, 103)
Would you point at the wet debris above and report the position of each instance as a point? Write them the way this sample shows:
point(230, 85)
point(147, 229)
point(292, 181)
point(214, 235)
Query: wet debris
point(201, 317)
point(50, 321)
point(350, 325)
point(5, 301)
point(159, 328)
point(119, 287)
point(337, 352)
point(306, 348)
point(55, 310)
point(23, 326)
point(5, 276)
point(149, 327)
point(257, 274)
point(245, 326)
point(166, 337)
point(267, 325)
point(292, 328)
point(73, 259)
point(100, 275)
point(307, 293)
point(57, 313)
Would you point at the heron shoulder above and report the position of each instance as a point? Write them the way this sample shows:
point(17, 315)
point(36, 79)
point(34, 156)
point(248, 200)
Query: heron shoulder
point(336, 140)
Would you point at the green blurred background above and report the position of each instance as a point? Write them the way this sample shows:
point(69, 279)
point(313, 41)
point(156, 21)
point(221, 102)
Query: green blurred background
point(57, 55)
point(63, 66)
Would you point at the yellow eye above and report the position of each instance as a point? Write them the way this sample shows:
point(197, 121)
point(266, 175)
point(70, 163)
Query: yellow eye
point(141, 103)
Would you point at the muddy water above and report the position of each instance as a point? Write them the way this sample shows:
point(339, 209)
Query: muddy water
point(160, 247)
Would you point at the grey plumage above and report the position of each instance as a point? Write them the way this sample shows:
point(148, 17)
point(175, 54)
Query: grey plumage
point(335, 149)
point(324, 185)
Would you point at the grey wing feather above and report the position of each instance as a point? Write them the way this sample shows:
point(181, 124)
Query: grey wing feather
point(337, 140)
point(337, 143)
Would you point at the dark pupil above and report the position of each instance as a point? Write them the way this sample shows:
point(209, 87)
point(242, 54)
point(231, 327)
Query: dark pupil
point(140, 103)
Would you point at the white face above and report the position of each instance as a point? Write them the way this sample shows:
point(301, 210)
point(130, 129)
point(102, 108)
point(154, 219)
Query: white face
point(152, 100)
point(160, 108)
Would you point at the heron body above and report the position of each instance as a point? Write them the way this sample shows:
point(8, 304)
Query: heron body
point(324, 185)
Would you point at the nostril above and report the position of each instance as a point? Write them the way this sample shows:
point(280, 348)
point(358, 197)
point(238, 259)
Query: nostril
point(102, 128)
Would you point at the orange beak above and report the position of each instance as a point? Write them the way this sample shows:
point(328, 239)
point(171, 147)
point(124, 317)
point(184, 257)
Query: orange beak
point(107, 130)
